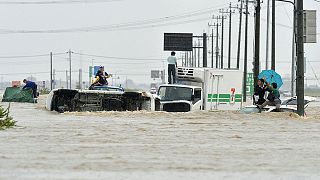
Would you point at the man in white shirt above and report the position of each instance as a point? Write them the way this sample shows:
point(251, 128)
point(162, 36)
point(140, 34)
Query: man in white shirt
point(172, 63)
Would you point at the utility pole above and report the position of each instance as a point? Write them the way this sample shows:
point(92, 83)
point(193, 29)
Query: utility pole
point(54, 79)
point(80, 78)
point(293, 61)
point(67, 79)
point(51, 73)
point(268, 31)
point(257, 44)
point(199, 44)
point(223, 17)
point(230, 33)
point(217, 40)
point(239, 37)
point(245, 63)
point(273, 44)
point(205, 50)
point(217, 45)
point(300, 58)
point(70, 69)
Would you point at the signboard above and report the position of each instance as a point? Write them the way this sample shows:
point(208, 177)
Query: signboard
point(178, 41)
point(155, 74)
point(310, 26)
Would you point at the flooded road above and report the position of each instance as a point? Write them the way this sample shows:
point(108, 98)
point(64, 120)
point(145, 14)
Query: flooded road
point(156, 145)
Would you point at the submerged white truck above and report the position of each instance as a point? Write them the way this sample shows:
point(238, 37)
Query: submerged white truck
point(197, 89)
point(202, 89)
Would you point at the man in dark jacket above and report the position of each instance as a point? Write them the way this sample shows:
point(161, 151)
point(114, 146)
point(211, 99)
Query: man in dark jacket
point(273, 98)
point(101, 78)
point(31, 85)
point(259, 92)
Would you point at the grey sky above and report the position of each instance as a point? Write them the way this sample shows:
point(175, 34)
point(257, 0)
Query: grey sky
point(132, 42)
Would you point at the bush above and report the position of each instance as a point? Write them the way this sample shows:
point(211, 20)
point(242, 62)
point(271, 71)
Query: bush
point(44, 91)
point(5, 120)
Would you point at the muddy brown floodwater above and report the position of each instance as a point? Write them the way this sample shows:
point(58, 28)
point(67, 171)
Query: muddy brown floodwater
point(158, 145)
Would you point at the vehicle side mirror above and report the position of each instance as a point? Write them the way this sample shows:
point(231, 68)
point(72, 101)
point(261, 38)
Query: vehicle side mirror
point(192, 97)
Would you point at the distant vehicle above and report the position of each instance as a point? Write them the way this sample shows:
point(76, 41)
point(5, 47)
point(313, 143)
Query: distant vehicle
point(286, 93)
point(153, 90)
point(288, 105)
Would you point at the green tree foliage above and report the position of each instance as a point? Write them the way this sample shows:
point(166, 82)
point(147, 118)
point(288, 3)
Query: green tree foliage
point(5, 120)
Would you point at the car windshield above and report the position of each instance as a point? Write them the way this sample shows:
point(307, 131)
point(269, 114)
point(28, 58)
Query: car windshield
point(172, 93)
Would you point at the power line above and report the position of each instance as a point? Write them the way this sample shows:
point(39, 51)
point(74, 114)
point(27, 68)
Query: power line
point(28, 56)
point(122, 58)
point(56, 2)
point(129, 25)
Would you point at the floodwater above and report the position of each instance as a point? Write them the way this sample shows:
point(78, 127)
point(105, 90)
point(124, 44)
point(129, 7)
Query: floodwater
point(158, 145)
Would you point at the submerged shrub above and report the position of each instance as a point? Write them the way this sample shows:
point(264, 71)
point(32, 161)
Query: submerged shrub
point(5, 120)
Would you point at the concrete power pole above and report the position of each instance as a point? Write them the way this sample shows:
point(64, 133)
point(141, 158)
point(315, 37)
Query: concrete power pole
point(239, 37)
point(217, 39)
point(256, 69)
point(245, 63)
point(70, 69)
point(230, 33)
point(223, 17)
point(268, 31)
point(51, 73)
point(273, 44)
point(205, 50)
point(80, 78)
point(300, 58)
point(67, 80)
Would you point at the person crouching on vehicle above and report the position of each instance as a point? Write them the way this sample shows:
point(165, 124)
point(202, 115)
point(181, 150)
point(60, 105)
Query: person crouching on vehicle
point(273, 98)
point(31, 85)
point(101, 78)
point(259, 92)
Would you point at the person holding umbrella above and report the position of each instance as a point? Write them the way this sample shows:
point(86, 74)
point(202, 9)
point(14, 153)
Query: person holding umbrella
point(273, 98)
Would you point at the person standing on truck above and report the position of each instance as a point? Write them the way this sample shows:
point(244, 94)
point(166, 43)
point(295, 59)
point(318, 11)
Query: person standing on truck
point(259, 92)
point(172, 64)
point(31, 85)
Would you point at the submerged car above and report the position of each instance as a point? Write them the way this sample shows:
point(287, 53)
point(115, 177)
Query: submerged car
point(288, 105)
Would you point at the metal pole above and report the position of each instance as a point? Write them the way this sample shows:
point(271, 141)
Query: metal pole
point(199, 44)
point(293, 63)
point(80, 78)
point(205, 50)
point(300, 58)
point(245, 63)
point(273, 48)
point(229, 51)
point(212, 48)
point(195, 53)
point(257, 44)
point(51, 73)
point(239, 38)
point(217, 47)
point(268, 31)
point(70, 69)
point(222, 35)
point(54, 79)
point(67, 79)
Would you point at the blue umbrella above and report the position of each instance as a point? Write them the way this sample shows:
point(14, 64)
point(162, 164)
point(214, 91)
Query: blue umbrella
point(271, 77)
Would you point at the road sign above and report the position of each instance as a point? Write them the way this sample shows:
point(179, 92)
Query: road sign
point(310, 26)
point(155, 74)
point(178, 41)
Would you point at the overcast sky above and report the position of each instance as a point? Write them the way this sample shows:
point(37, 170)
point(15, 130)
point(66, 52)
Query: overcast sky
point(141, 39)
